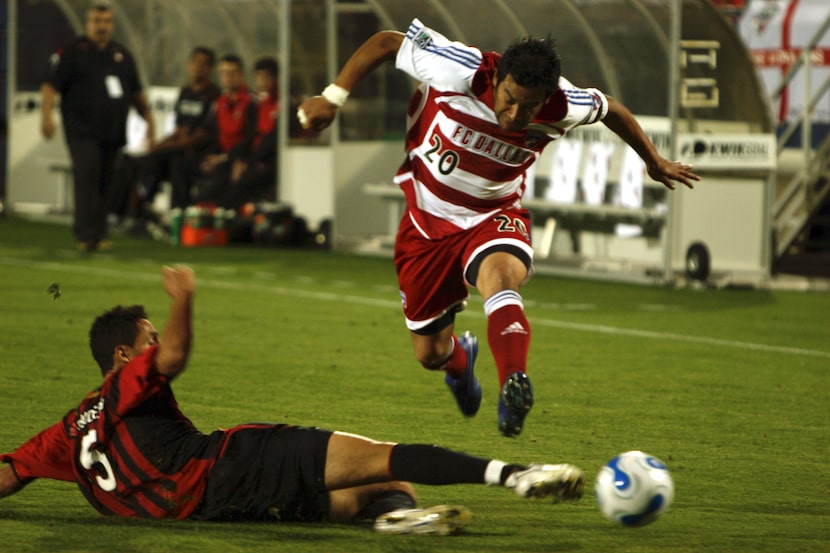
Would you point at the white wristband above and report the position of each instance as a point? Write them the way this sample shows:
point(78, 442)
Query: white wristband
point(302, 117)
point(335, 94)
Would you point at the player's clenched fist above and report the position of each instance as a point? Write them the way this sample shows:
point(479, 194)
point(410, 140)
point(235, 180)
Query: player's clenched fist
point(316, 113)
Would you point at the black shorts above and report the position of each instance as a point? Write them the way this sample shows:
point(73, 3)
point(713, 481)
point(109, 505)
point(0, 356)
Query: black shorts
point(269, 472)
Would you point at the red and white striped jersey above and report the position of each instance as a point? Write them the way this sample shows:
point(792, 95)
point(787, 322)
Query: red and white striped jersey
point(461, 166)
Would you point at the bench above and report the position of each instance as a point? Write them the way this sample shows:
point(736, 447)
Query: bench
point(63, 169)
point(573, 217)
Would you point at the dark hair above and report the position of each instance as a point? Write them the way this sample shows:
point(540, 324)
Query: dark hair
point(232, 58)
point(269, 64)
point(116, 327)
point(205, 51)
point(100, 6)
point(533, 62)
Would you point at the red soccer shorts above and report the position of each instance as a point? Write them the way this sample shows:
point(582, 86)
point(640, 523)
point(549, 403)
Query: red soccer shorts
point(433, 275)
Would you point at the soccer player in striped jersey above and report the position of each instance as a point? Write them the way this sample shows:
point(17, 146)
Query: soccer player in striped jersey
point(476, 124)
point(133, 453)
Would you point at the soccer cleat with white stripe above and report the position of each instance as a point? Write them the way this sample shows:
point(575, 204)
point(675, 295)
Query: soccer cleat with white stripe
point(440, 520)
point(559, 482)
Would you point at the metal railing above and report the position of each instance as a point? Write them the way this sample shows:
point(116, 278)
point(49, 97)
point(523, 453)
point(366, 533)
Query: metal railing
point(806, 190)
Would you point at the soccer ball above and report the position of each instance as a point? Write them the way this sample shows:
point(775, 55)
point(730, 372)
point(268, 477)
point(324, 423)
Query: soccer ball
point(634, 488)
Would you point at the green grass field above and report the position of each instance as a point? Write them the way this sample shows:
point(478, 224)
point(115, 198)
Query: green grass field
point(730, 388)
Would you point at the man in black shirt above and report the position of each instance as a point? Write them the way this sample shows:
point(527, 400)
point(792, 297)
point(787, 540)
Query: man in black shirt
point(98, 82)
point(177, 156)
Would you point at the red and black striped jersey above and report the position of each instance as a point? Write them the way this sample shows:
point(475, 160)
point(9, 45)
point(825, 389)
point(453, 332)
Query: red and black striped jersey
point(128, 447)
point(461, 165)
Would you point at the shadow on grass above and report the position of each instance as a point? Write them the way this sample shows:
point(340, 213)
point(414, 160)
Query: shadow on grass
point(62, 532)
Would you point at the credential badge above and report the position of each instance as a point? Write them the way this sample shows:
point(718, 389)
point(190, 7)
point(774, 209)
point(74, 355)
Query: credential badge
point(423, 40)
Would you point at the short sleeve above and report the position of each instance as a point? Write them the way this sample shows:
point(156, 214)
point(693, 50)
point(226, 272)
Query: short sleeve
point(570, 107)
point(432, 58)
point(58, 69)
point(178, 109)
point(46, 455)
point(585, 105)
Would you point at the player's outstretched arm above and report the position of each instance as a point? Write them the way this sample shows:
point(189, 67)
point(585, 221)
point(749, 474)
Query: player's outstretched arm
point(318, 112)
point(620, 120)
point(9, 483)
point(176, 338)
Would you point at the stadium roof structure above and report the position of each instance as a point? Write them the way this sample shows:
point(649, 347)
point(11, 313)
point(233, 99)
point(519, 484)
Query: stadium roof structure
point(161, 33)
point(620, 46)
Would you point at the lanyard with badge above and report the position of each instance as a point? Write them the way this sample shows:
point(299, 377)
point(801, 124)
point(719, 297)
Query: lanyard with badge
point(113, 82)
point(114, 86)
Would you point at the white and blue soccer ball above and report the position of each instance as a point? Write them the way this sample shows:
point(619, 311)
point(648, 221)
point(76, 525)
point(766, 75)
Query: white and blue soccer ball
point(634, 488)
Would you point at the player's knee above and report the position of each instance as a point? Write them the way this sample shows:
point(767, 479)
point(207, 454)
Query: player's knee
point(431, 361)
point(500, 272)
point(433, 344)
point(503, 277)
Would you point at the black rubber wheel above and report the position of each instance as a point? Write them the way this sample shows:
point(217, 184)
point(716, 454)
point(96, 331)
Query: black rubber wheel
point(698, 261)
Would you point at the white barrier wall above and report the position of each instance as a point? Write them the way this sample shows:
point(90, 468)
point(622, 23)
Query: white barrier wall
point(30, 180)
point(596, 212)
point(38, 169)
point(359, 216)
point(306, 182)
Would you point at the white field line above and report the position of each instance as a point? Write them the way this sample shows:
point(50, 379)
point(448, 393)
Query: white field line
point(359, 300)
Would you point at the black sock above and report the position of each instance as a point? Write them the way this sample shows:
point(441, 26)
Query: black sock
point(508, 470)
point(384, 503)
point(428, 464)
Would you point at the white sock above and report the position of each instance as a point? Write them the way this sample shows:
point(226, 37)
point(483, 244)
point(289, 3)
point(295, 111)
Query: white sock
point(492, 474)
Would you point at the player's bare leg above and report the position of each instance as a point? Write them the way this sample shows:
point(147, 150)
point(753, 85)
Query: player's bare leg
point(433, 351)
point(500, 271)
point(366, 477)
point(353, 460)
point(508, 334)
point(456, 356)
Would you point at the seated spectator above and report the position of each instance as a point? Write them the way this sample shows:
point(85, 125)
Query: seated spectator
point(253, 178)
point(177, 156)
point(188, 144)
point(233, 126)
